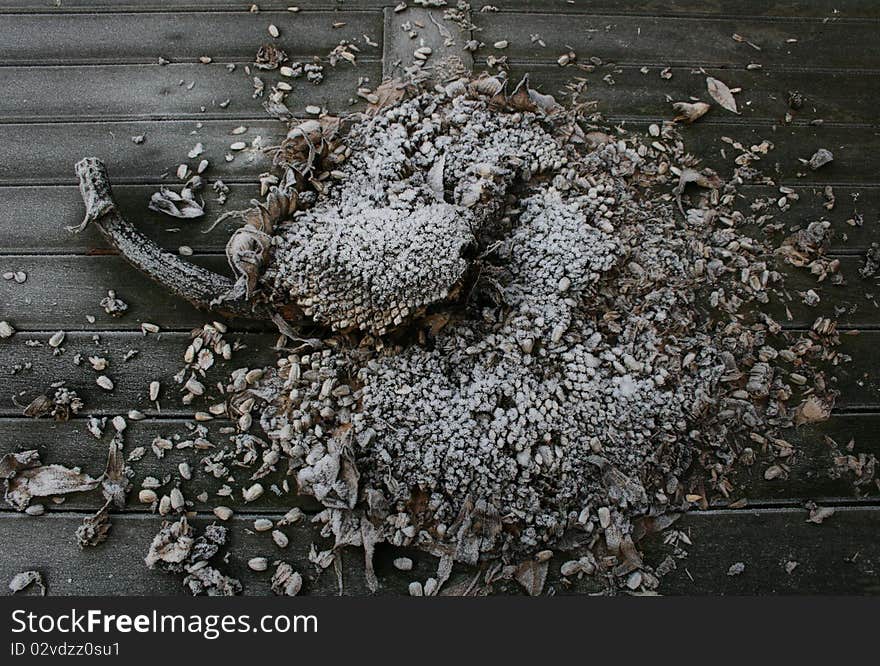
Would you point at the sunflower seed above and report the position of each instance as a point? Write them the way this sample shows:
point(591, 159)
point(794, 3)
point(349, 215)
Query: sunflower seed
point(403, 564)
point(147, 496)
point(262, 524)
point(273, 30)
point(154, 391)
point(280, 538)
point(253, 492)
point(223, 512)
point(56, 339)
point(177, 500)
point(35, 510)
point(258, 563)
point(105, 382)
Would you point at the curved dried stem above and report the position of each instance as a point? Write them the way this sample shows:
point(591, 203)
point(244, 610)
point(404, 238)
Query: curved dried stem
point(201, 287)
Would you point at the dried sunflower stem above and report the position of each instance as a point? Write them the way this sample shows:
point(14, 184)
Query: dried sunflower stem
point(199, 286)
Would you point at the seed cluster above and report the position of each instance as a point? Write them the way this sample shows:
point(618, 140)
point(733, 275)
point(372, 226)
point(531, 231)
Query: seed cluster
point(573, 384)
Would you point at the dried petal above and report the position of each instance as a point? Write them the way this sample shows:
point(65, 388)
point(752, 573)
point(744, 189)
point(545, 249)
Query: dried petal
point(721, 94)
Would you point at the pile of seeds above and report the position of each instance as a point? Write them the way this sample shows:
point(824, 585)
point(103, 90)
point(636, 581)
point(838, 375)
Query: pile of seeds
point(521, 331)
point(559, 335)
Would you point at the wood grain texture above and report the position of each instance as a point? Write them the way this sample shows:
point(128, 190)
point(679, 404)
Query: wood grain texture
point(399, 47)
point(144, 37)
point(62, 289)
point(842, 9)
point(832, 96)
point(146, 92)
point(70, 443)
point(159, 358)
point(149, 91)
point(698, 42)
point(177, 6)
point(840, 556)
point(44, 231)
point(52, 149)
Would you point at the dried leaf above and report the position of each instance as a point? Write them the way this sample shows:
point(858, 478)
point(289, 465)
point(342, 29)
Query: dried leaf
point(39, 406)
point(45, 481)
point(12, 463)
point(269, 56)
point(181, 205)
point(721, 94)
point(532, 575)
point(812, 410)
point(94, 529)
point(388, 93)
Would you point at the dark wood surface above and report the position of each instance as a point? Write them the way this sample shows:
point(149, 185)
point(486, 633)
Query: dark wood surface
point(84, 78)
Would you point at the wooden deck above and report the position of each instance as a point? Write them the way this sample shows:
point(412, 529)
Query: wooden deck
point(82, 79)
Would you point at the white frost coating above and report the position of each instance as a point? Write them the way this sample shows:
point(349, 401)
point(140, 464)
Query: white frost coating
point(414, 196)
point(573, 382)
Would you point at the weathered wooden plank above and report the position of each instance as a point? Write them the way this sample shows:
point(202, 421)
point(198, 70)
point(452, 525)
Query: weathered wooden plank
point(102, 92)
point(851, 203)
point(40, 153)
point(742, 8)
point(852, 150)
point(51, 149)
point(61, 206)
point(139, 92)
point(834, 96)
point(51, 209)
point(117, 567)
point(224, 36)
point(811, 474)
point(62, 289)
point(700, 42)
point(398, 48)
point(841, 9)
point(70, 443)
point(159, 358)
point(840, 556)
point(114, 6)
point(853, 304)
